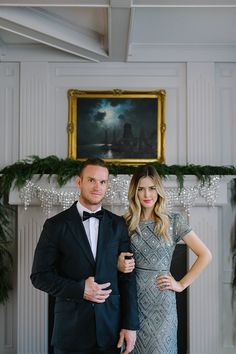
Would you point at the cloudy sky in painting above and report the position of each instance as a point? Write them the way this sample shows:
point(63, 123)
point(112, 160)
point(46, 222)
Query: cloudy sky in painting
point(97, 115)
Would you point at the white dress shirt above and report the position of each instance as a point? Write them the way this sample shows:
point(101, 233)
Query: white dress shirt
point(91, 226)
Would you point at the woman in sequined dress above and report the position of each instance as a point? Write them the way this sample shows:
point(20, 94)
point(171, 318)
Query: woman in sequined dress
point(154, 234)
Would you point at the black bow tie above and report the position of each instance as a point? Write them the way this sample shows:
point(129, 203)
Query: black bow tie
point(98, 215)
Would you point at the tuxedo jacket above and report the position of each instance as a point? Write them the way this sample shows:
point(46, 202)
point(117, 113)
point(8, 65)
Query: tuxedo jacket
point(63, 260)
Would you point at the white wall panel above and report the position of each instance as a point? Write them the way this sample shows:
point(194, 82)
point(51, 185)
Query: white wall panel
point(9, 125)
point(9, 112)
point(226, 111)
point(204, 293)
point(34, 101)
point(32, 316)
point(202, 125)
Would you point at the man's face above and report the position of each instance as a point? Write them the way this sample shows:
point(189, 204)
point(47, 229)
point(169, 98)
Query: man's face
point(93, 185)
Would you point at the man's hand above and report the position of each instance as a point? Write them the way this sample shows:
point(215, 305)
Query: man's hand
point(128, 338)
point(96, 292)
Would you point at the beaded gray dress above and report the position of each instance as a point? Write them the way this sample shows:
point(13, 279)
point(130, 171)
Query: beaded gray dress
point(157, 309)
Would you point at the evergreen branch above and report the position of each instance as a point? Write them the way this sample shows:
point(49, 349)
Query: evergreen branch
point(6, 260)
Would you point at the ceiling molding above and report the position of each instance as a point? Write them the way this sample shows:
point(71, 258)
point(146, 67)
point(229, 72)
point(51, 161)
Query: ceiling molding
point(57, 3)
point(51, 41)
point(119, 20)
point(119, 3)
point(184, 3)
point(122, 30)
point(151, 53)
point(41, 28)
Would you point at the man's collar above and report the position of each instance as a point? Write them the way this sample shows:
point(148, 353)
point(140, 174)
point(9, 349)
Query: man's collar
point(82, 208)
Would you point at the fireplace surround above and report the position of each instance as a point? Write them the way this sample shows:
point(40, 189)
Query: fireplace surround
point(204, 296)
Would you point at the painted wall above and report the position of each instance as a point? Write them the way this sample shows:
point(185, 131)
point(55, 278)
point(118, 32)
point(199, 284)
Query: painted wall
point(200, 106)
point(201, 126)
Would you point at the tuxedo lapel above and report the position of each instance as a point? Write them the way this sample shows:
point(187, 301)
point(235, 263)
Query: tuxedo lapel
point(103, 237)
point(78, 230)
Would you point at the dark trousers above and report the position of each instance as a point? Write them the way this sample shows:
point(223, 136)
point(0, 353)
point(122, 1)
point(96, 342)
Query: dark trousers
point(94, 351)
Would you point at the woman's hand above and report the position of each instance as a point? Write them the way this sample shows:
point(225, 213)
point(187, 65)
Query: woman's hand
point(167, 282)
point(126, 262)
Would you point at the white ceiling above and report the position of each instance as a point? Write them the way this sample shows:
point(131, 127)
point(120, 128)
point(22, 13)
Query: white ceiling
point(121, 30)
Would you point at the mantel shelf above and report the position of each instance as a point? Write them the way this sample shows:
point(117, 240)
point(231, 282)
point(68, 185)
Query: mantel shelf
point(117, 192)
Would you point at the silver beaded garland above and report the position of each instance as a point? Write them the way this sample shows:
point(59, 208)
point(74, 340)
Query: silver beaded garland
point(117, 194)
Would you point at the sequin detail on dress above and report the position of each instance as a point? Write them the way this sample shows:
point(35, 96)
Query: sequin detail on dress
point(157, 309)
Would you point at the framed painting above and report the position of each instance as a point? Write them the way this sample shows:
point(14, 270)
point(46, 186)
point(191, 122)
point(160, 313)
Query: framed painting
point(124, 127)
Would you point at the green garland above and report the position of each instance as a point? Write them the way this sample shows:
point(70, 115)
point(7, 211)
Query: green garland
point(18, 173)
point(6, 260)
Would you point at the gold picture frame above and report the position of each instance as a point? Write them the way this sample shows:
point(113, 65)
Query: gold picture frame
point(121, 127)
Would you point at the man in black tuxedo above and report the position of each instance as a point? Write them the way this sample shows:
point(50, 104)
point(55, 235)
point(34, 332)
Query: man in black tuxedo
point(76, 261)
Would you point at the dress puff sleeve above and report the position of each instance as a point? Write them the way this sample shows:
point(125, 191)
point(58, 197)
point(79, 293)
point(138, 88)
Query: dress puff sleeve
point(180, 226)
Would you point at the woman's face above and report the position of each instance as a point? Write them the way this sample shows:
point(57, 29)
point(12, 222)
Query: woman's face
point(147, 192)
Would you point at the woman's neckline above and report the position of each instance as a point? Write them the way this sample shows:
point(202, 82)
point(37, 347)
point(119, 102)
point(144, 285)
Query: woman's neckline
point(147, 220)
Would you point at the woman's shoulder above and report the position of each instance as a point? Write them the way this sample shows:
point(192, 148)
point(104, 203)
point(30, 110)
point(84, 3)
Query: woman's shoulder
point(174, 215)
point(178, 219)
point(179, 224)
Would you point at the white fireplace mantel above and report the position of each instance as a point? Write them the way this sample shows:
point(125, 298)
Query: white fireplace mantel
point(117, 191)
point(32, 305)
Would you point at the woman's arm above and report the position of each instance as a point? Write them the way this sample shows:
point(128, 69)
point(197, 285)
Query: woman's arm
point(204, 257)
point(203, 254)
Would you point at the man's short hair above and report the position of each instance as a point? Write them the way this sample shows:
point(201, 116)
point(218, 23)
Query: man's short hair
point(94, 162)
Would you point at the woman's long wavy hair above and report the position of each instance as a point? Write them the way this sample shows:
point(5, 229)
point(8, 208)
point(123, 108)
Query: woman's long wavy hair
point(134, 212)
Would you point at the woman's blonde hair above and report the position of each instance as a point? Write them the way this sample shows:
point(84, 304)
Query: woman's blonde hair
point(133, 214)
